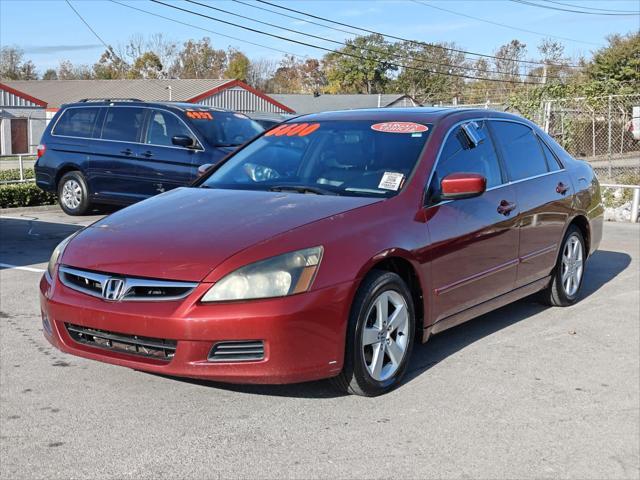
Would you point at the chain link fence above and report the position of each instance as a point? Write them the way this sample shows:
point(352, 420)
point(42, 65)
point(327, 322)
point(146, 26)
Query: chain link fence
point(604, 131)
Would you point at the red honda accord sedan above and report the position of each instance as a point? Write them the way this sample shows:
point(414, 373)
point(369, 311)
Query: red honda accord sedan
point(326, 247)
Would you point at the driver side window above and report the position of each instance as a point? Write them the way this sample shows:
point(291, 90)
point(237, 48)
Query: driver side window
point(459, 155)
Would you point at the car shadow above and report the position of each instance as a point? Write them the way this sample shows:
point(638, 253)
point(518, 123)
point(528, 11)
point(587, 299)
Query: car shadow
point(602, 267)
point(30, 242)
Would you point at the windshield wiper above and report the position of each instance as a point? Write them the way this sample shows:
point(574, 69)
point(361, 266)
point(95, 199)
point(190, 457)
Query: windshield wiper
point(301, 189)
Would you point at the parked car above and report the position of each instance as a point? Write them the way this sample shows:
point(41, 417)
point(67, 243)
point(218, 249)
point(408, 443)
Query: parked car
point(269, 120)
point(328, 245)
point(121, 152)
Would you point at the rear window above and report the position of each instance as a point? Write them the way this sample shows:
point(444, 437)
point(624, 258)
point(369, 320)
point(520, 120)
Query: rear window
point(223, 129)
point(77, 122)
point(123, 124)
point(353, 158)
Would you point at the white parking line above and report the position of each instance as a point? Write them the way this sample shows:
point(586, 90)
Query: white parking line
point(26, 269)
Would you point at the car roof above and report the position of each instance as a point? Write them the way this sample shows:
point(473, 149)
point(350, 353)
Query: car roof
point(422, 114)
point(182, 106)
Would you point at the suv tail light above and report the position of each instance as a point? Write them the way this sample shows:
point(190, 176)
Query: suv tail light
point(41, 149)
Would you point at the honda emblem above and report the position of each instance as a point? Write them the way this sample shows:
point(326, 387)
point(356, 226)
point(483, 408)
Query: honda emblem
point(113, 289)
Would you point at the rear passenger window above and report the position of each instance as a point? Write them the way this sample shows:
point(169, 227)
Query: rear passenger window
point(460, 156)
point(552, 160)
point(77, 122)
point(522, 152)
point(123, 124)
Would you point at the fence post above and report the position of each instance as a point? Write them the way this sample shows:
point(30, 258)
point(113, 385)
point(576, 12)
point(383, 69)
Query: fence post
point(635, 205)
point(609, 135)
point(21, 167)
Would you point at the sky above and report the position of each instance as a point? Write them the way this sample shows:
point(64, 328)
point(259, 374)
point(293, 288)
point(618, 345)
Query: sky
point(49, 31)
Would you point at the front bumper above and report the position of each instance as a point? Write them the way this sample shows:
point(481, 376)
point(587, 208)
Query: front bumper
point(304, 334)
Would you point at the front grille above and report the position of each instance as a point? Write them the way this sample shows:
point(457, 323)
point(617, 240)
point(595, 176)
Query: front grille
point(118, 288)
point(157, 348)
point(237, 351)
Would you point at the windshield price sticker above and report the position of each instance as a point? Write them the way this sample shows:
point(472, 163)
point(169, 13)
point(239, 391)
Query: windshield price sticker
point(391, 181)
point(399, 127)
point(198, 115)
point(293, 130)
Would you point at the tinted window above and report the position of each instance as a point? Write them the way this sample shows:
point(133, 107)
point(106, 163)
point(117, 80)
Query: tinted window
point(552, 161)
point(163, 127)
point(77, 122)
point(224, 128)
point(340, 157)
point(460, 156)
point(522, 152)
point(123, 124)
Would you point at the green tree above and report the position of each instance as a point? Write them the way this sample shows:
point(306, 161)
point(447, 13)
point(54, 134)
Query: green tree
point(366, 67)
point(50, 74)
point(618, 61)
point(429, 78)
point(147, 65)
point(237, 66)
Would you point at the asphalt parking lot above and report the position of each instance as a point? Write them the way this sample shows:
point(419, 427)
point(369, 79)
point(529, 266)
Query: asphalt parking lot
point(524, 392)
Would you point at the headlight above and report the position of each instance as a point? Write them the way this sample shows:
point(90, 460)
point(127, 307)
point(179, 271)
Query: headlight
point(57, 253)
point(275, 277)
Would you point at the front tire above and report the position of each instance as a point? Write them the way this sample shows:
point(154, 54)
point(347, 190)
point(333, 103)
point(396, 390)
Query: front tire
point(380, 336)
point(568, 274)
point(73, 194)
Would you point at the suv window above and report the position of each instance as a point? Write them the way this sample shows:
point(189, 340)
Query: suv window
point(163, 126)
point(522, 152)
point(77, 122)
point(552, 160)
point(123, 124)
point(460, 156)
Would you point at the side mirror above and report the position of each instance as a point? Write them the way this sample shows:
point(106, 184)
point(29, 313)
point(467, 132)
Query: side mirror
point(183, 141)
point(462, 185)
point(202, 169)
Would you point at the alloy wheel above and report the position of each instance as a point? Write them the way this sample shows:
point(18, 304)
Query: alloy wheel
point(71, 194)
point(572, 265)
point(385, 335)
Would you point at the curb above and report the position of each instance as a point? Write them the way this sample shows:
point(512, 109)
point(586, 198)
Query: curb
point(39, 208)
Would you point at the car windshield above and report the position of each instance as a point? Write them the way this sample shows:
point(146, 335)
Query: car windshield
point(355, 158)
point(224, 129)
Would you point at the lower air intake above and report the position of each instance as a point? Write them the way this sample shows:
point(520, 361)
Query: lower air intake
point(157, 348)
point(237, 351)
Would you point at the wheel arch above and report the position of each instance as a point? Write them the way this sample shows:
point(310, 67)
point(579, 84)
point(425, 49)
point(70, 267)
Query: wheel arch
point(401, 263)
point(62, 171)
point(583, 225)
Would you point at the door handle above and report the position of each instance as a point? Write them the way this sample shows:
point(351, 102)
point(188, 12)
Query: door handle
point(505, 208)
point(147, 154)
point(126, 151)
point(562, 188)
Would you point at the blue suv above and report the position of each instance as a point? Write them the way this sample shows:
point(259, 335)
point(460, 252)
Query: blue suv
point(123, 151)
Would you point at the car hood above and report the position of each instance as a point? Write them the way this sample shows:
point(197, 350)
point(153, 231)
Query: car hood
point(185, 233)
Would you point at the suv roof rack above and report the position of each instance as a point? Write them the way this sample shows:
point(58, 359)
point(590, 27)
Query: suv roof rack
point(84, 100)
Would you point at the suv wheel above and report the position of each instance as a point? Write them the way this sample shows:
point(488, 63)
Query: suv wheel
point(380, 336)
point(73, 194)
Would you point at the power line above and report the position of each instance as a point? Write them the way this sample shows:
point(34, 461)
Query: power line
point(571, 10)
point(358, 57)
point(365, 48)
point(415, 42)
point(502, 24)
point(207, 30)
point(88, 26)
point(584, 7)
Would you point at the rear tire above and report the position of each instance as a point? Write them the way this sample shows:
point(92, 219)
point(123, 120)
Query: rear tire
point(73, 194)
point(568, 274)
point(380, 336)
